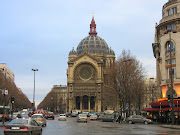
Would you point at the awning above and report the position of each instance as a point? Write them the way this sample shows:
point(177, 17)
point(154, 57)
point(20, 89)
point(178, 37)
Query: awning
point(176, 109)
point(151, 109)
point(165, 103)
point(160, 103)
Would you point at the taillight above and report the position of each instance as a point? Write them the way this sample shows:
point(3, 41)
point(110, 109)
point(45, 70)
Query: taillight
point(53, 115)
point(79, 118)
point(6, 127)
point(24, 128)
point(42, 120)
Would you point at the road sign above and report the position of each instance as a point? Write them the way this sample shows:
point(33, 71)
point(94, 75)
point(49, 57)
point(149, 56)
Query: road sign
point(5, 92)
point(170, 104)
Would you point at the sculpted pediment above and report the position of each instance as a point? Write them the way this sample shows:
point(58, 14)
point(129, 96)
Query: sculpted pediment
point(85, 57)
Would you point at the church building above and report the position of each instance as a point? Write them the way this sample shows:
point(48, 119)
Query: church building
point(87, 82)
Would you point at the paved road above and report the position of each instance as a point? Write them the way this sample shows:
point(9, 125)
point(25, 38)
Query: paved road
point(71, 127)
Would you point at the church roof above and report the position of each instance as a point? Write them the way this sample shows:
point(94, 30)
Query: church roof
point(93, 43)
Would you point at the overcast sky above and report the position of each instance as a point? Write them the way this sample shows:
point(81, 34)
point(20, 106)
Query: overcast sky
point(40, 34)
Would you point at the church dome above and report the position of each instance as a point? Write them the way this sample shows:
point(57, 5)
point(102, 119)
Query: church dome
point(93, 43)
point(72, 52)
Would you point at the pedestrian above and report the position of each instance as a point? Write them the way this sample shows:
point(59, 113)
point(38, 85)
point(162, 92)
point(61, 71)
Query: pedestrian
point(119, 118)
point(114, 117)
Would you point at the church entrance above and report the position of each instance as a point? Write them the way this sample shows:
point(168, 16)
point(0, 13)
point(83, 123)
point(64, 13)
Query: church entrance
point(85, 102)
point(92, 103)
point(77, 102)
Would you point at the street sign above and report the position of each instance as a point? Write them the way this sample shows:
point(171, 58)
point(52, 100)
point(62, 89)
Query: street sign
point(5, 92)
point(170, 104)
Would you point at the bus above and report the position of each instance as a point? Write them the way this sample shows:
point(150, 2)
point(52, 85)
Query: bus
point(6, 113)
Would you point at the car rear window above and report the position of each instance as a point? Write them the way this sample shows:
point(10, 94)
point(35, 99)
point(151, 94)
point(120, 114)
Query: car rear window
point(82, 115)
point(19, 121)
point(37, 116)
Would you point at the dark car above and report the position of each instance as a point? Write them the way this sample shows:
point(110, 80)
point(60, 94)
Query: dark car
point(22, 126)
point(49, 115)
point(68, 114)
point(107, 118)
point(138, 119)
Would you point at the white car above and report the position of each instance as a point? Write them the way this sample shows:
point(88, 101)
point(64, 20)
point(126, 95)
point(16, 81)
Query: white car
point(82, 117)
point(93, 117)
point(62, 117)
point(39, 119)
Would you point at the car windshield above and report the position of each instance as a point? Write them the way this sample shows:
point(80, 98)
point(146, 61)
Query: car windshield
point(82, 115)
point(36, 116)
point(19, 121)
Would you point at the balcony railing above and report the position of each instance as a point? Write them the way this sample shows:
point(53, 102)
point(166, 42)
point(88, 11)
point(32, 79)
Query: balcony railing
point(170, 17)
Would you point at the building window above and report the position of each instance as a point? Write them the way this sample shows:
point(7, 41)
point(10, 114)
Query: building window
point(173, 72)
point(172, 26)
point(167, 27)
point(168, 47)
point(173, 62)
point(174, 10)
point(169, 12)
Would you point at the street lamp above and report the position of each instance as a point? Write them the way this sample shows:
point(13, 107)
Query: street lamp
point(172, 102)
point(152, 87)
point(34, 89)
point(127, 104)
point(52, 109)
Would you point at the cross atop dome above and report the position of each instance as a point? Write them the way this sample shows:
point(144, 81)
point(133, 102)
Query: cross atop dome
point(93, 27)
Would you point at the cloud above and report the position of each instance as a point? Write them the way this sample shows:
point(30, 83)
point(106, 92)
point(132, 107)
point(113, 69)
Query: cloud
point(150, 65)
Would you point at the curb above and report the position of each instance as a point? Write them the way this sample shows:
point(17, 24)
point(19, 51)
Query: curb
point(171, 126)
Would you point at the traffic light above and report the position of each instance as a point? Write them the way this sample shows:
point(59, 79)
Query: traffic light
point(169, 98)
point(32, 104)
point(12, 100)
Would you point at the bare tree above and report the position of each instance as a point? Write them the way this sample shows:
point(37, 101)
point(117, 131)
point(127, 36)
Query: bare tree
point(128, 80)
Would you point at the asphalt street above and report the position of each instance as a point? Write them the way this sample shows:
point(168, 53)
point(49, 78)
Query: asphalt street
point(71, 127)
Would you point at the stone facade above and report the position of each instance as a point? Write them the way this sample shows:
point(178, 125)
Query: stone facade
point(151, 93)
point(86, 75)
point(161, 49)
point(9, 74)
point(60, 95)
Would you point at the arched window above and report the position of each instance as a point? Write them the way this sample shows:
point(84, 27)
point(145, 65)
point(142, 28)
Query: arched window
point(168, 47)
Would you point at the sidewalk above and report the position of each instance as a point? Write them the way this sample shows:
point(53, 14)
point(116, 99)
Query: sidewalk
point(170, 126)
point(1, 124)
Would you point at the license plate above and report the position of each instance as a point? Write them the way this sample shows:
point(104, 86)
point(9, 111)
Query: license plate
point(15, 127)
point(37, 120)
point(83, 118)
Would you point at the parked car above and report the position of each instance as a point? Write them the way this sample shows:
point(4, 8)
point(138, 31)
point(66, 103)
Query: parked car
point(107, 118)
point(22, 126)
point(138, 119)
point(39, 119)
point(74, 114)
point(93, 117)
point(49, 115)
point(68, 114)
point(62, 117)
point(87, 113)
point(82, 117)
point(100, 114)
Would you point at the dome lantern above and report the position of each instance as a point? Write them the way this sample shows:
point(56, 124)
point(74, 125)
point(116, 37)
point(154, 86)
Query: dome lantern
point(93, 27)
